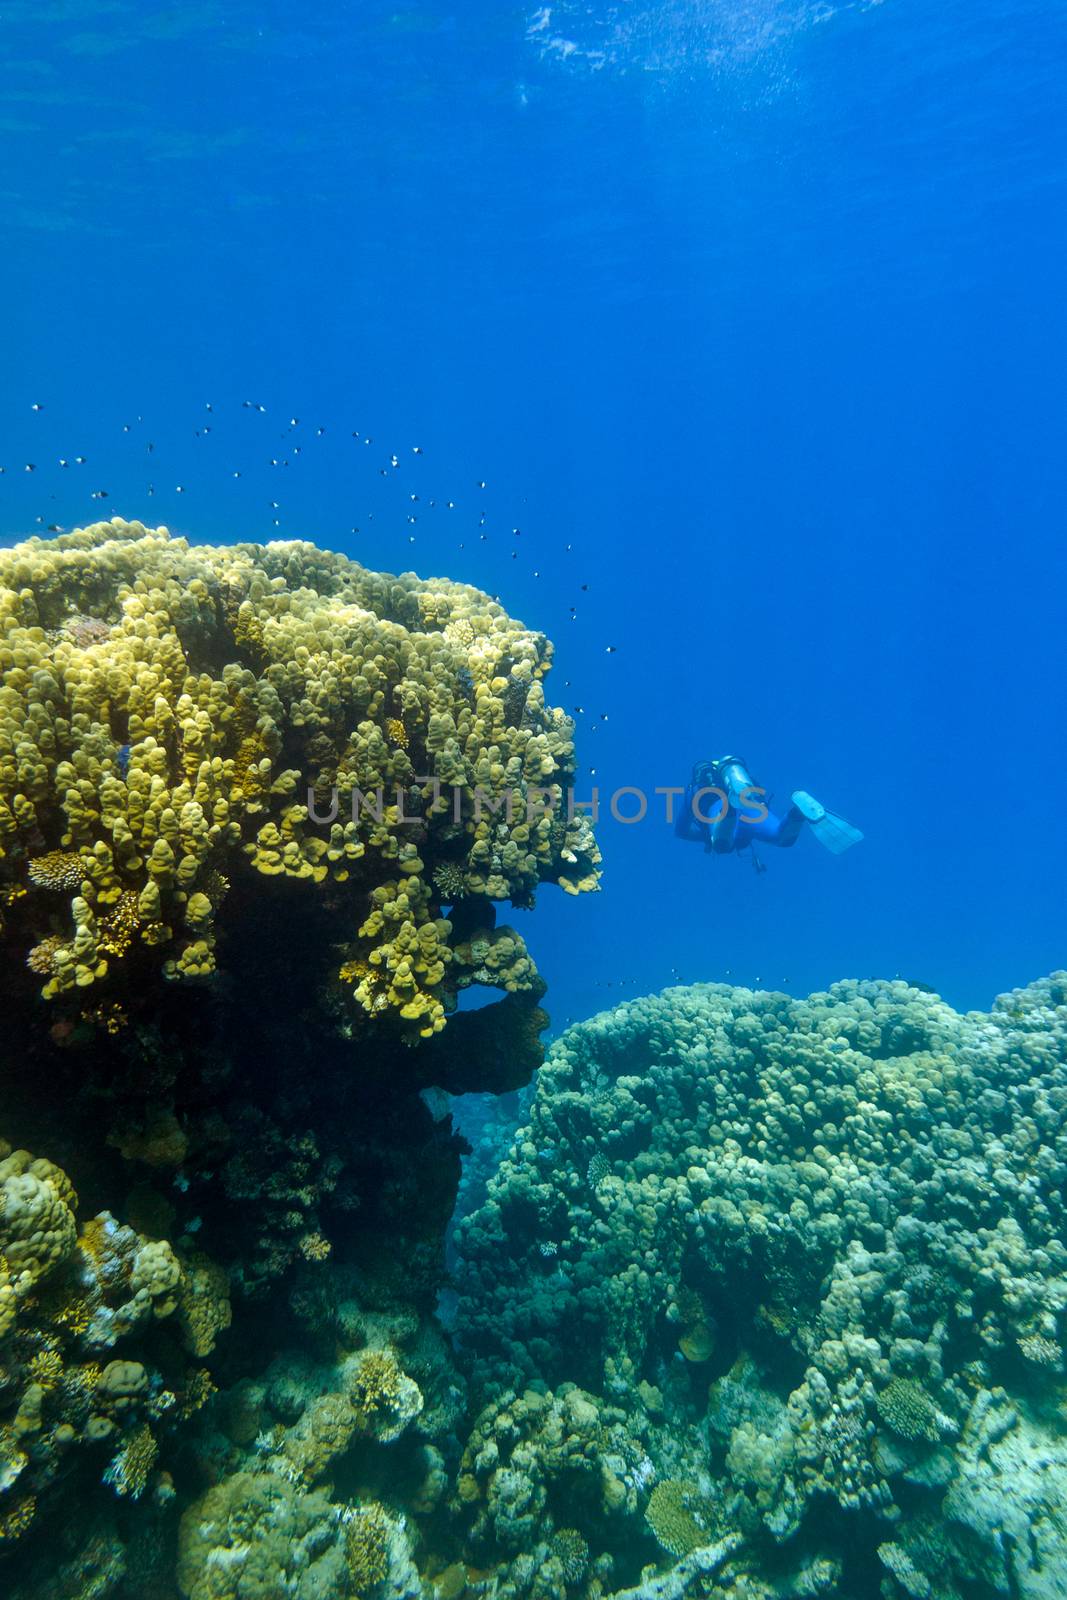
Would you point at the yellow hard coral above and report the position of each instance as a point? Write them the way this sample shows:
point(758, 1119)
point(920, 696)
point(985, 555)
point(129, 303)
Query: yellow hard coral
point(57, 870)
point(46, 1369)
point(407, 953)
point(68, 1294)
point(498, 958)
point(15, 1519)
point(166, 708)
point(203, 1304)
point(324, 1431)
point(129, 1472)
point(384, 1397)
point(367, 1536)
point(260, 1534)
point(37, 1225)
point(678, 1516)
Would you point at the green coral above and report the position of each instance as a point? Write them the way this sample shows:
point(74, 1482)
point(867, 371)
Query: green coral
point(367, 1537)
point(677, 1516)
point(906, 1408)
point(572, 1553)
point(257, 1535)
point(530, 1456)
point(864, 1190)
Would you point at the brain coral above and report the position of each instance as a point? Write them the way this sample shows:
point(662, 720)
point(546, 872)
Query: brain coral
point(166, 709)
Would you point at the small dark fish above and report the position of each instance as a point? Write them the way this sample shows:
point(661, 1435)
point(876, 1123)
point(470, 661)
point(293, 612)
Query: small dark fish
point(122, 758)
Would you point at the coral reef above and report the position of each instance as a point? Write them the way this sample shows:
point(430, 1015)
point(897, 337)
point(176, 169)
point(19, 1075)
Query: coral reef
point(220, 1368)
point(256, 1534)
point(167, 709)
point(71, 1296)
point(810, 1250)
point(763, 1298)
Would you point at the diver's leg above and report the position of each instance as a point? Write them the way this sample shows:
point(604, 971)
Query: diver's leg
point(724, 833)
point(780, 831)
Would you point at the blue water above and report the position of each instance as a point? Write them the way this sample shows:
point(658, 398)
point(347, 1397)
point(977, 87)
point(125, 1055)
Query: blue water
point(749, 316)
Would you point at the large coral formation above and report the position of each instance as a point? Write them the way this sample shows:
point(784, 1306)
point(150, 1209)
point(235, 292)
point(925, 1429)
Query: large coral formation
point(848, 1213)
point(767, 1298)
point(538, 1463)
point(166, 709)
point(275, 1517)
point(256, 1534)
point(261, 1149)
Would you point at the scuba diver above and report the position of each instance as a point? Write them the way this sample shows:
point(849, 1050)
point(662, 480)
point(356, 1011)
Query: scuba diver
point(725, 810)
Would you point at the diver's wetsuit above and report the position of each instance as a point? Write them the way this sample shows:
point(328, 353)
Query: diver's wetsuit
point(735, 829)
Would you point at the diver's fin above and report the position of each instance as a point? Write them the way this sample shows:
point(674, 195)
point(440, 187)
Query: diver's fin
point(833, 832)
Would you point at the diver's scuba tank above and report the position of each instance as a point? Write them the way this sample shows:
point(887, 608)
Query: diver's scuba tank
point(732, 776)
